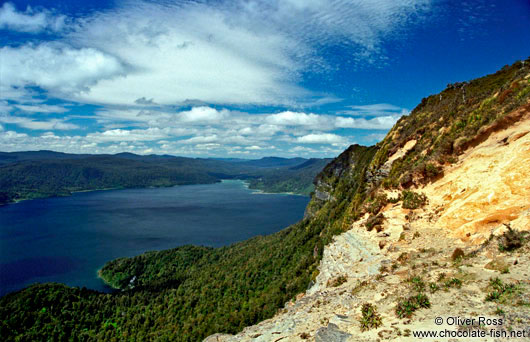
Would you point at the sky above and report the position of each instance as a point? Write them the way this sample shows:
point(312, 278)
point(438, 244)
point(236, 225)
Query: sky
point(237, 78)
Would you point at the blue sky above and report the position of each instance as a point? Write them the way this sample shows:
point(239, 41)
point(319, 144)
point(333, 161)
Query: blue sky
point(239, 78)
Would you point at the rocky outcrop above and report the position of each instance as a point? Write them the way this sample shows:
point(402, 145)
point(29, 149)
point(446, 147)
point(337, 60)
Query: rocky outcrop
point(489, 186)
point(344, 169)
point(331, 333)
point(351, 255)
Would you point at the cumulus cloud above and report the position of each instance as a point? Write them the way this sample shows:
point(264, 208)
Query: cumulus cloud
point(30, 20)
point(10, 135)
point(189, 52)
point(60, 69)
point(321, 138)
point(289, 118)
point(203, 114)
point(382, 122)
point(47, 125)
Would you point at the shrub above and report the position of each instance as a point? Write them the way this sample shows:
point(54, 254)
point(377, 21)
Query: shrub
point(499, 311)
point(374, 221)
point(417, 283)
point(335, 282)
point(370, 318)
point(377, 203)
point(413, 200)
point(406, 307)
point(511, 240)
point(432, 170)
point(453, 282)
point(458, 253)
point(500, 291)
point(433, 287)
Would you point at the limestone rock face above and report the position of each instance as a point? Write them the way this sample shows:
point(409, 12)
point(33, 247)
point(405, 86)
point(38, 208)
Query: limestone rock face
point(489, 186)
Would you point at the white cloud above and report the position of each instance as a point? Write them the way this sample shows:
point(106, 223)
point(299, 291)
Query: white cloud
point(211, 146)
point(41, 108)
point(200, 139)
point(203, 114)
point(113, 135)
point(381, 122)
point(189, 52)
point(321, 138)
point(30, 20)
point(52, 124)
point(289, 118)
point(360, 24)
point(140, 59)
point(230, 52)
point(47, 125)
point(60, 69)
point(8, 135)
point(1, 128)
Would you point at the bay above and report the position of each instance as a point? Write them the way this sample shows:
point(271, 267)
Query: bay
point(67, 239)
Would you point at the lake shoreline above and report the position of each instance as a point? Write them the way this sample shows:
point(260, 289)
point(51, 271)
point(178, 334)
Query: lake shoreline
point(70, 193)
point(263, 192)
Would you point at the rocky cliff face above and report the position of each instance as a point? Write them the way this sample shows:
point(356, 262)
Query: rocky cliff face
point(344, 173)
point(431, 222)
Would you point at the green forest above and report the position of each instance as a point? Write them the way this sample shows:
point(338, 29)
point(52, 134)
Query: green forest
point(33, 175)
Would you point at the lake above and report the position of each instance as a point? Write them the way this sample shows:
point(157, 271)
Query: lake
point(67, 239)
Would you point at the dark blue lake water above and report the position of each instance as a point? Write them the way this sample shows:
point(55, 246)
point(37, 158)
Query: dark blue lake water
point(68, 239)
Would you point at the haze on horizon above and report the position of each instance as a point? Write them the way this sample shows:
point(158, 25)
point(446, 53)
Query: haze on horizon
point(237, 78)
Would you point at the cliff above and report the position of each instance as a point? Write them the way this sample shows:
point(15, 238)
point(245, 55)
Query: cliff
point(440, 228)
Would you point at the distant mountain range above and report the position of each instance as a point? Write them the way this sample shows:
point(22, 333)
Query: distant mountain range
point(38, 174)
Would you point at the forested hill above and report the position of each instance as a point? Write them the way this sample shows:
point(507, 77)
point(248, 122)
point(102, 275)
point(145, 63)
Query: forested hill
point(28, 175)
point(292, 179)
point(188, 293)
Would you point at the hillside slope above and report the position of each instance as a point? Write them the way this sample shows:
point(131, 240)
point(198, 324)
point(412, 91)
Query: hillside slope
point(361, 206)
point(295, 179)
point(456, 250)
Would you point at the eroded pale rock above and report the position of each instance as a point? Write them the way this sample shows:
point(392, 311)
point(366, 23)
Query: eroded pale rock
point(489, 186)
